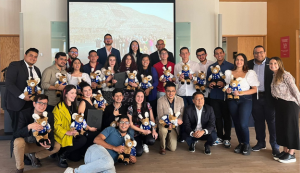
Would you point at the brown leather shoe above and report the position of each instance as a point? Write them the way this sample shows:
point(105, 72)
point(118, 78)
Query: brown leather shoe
point(162, 151)
point(34, 161)
point(19, 171)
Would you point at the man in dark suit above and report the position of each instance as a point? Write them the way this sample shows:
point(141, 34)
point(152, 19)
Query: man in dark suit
point(263, 108)
point(155, 56)
point(107, 50)
point(17, 74)
point(199, 122)
point(25, 142)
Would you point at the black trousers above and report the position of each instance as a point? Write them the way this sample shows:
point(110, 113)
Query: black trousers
point(14, 115)
point(223, 119)
point(143, 139)
point(74, 152)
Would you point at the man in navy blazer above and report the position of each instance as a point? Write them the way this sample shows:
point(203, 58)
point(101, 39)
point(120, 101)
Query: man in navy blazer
point(18, 73)
point(107, 50)
point(199, 122)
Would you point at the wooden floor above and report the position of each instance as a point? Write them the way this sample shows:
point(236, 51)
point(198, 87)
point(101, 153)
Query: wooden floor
point(222, 160)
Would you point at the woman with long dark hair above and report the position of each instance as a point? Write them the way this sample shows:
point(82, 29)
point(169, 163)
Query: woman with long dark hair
point(287, 103)
point(128, 63)
point(70, 146)
point(142, 137)
point(240, 108)
point(134, 50)
point(112, 66)
point(146, 70)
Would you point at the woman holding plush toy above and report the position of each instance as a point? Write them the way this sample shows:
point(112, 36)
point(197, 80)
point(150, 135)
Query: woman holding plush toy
point(287, 103)
point(139, 112)
point(70, 146)
point(241, 84)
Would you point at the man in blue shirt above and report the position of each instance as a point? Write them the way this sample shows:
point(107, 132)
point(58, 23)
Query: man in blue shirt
point(217, 100)
point(101, 156)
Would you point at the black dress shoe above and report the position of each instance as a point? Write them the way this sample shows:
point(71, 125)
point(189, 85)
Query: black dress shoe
point(192, 147)
point(207, 150)
point(239, 148)
point(27, 161)
point(277, 156)
point(62, 160)
point(19, 171)
point(34, 161)
point(247, 149)
point(258, 147)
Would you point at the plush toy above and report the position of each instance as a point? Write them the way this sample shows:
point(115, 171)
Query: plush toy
point(114, 123)
point(167, 74)
point(169, 121)
point(146, 123)
point(131, 78)
point(200, 81)
point(32, 87)
point(79, 96)
point(99, 101)
point(216, 74)
point(107, 73)
point(78, 124)
point(234, 86)
point(186, 72)
point(96, 77)
point(129, 144)
point(146, 82)
point(42, 135)
point(61, 79)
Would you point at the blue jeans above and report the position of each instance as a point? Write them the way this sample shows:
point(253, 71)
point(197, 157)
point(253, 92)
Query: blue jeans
point(240, 110)
point(97, 159)
point(210, 138)
point(160, 94)
point(187, 100)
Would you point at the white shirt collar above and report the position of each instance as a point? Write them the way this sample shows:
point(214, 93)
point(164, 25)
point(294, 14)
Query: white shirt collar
point(28, 65)
point(187, 62)
point(200, 109)
point(261, 63)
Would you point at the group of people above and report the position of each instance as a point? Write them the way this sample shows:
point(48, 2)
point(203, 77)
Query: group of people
point(264, 89)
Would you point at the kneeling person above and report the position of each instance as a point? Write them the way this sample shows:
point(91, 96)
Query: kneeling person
point(199, 122)
point(25, 142)
point(101, 156)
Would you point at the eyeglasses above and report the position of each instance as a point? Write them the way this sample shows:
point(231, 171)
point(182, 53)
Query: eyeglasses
point(124, 122)
point(164, 53)
point(173, 91)
point(134, 46)
point(201, 55)
point(108, 39)
point(74, 52)
point(261, 52)
point(161, 44)
point(42, 104)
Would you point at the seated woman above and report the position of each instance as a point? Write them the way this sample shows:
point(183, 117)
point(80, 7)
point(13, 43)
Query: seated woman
point(146, 70)
point(112, 66)
point(128, 64)
point(142, 137)
point(70, 145)
point(240, 109)
point(84, 106)
point(76, 73)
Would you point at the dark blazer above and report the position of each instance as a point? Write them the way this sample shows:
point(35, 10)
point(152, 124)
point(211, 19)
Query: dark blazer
point(190, 119)
point(138, 59)
point(154, 58)
point(25, 118)
point(87, 68)
point(103, 55)
point(15, 83)
point(267, 80)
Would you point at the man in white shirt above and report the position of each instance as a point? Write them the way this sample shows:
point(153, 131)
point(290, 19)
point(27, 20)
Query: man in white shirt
point(204, 64)
point(199, 123)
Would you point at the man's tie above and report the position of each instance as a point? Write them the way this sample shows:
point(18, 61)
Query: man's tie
point(30, 70)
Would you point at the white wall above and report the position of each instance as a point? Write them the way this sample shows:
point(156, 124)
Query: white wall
point(244, 18)
point(203, 17)
point(37, 17)
point(9, 16)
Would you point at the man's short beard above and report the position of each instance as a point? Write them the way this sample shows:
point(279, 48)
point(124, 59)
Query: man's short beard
point(108, 44)
point(122, 130)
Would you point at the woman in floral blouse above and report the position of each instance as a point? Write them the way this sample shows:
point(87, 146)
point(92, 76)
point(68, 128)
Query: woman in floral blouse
point(287, 103)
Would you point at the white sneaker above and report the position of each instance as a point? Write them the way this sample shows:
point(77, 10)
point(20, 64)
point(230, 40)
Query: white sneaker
point(69, 170)
point(218, 141)
point(227, 143)
point(146, 148)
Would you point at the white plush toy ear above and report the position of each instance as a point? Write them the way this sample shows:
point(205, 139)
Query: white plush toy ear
point(140, 116)
point(170, 111)
point(94, 95)
point(109, 68)
point(92, 69)
point(37, 80)
point(164, 68)
point(149, 77)
point(117, 118)
point(35, 116)
point(218, 67)
point(170, 68)
point(98, 72)
point(58, 75)
point(142, 76)
point(135, 72)
point(127, 72)
point(74, 115)
point(231, 77)
point(211, 67)
point(99, 91)
point(239, 79)
point(147, 114)
point(134, 143)
point(45, 114)
point(126, 137)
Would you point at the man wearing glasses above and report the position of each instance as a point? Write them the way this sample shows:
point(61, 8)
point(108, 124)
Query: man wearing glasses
point(25, 142)
point(170, 100)
point(104, 52)
point(73, 53)
point(101, 156)
point(263, 108)
point(49, 79)
point(155, 56)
